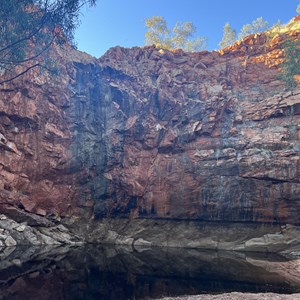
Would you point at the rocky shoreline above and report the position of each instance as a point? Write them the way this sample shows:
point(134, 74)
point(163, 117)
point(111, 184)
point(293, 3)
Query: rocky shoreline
point(18, 227)
point(251, 237)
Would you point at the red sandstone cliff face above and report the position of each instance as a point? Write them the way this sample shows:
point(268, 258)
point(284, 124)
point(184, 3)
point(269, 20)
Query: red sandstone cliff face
point(205, 135)
point(35, 143)
point(158, 134)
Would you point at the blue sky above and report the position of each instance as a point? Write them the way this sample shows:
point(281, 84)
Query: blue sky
point(122, 22)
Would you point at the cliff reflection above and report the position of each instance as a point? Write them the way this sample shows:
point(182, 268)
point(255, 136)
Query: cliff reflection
point(94, 272)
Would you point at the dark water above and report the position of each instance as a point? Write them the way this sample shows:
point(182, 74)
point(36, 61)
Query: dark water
point(123, 273)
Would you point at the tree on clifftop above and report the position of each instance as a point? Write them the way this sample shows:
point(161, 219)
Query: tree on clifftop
point(258, 25)
point(229, 36)
point(29, 27)
point(180, 37)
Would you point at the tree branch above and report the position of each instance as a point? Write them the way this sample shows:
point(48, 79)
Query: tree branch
point(20, 74)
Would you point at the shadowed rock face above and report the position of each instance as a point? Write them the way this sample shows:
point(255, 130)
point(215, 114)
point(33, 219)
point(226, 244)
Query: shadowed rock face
point(155, 134)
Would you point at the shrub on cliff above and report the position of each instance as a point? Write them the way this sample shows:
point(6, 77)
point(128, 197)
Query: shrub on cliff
point(229, 36)
point(29, 27)
point(180, 37)
point(290, 68)
point(257, 25)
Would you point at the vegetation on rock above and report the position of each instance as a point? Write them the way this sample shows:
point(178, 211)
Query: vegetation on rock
point(229, 36)
point(290, 68)
point(257, 25)
point(29, 27)
point(180, 37)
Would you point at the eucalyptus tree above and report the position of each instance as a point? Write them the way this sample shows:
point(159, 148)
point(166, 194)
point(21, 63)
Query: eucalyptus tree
point(180, 37)
point(258, 25)
point(29, 27)
point(229, 36)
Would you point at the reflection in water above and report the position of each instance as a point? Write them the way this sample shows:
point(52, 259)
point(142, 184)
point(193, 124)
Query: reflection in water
point(93, 272)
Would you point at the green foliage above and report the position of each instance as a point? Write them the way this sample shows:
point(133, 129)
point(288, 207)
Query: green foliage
point(276, 29)
point(258, 25)
point(29, 27)
point(229, 36)
point(291, 65)
point(158, 33)
point(277, 26)
point(180, 37)
point(298, 9)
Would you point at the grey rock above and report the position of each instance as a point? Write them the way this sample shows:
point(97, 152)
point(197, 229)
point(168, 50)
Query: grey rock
point(8, 224)
point(13, 233)
point(204, 243)
point(47, 240)
point(20, 228)
point(7, 251)
point(124, 240)
point(3, 236)
point(112, 236)
point(10, 242)
point(62, 228)
point(201, 235)
point(31, 237)
point(141, 245)
point(17, 262)
point(57, 235)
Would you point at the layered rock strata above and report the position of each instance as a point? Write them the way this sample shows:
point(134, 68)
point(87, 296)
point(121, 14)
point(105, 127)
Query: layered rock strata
point(153, 134)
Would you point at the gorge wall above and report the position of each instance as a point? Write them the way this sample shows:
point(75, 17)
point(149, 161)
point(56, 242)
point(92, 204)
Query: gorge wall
point(147, 133)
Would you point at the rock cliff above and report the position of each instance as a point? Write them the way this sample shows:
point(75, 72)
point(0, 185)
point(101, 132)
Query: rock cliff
point(153, 134)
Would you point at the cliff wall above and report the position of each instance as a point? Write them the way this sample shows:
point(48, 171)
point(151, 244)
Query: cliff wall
point(146, 133)
point(210, 136)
